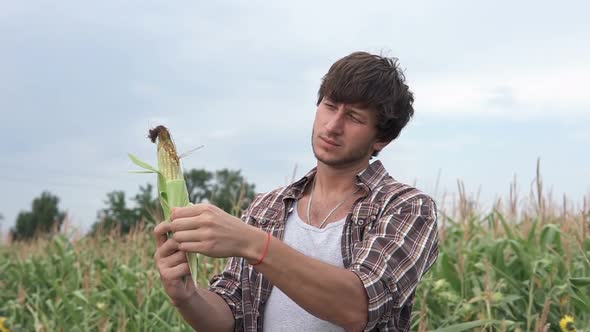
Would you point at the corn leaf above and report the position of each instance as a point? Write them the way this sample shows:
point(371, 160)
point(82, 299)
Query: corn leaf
point(580, 282)
point(177, 193)
point(174, 194)
point(142, 163)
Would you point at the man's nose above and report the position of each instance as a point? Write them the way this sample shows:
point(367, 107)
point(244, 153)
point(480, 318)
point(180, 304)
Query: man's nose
point(336, 120)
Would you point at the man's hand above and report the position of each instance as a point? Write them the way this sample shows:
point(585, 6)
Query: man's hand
point(173, 266)
point(207, 229)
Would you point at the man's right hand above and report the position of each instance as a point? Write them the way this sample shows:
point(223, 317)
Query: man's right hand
point(173, 266)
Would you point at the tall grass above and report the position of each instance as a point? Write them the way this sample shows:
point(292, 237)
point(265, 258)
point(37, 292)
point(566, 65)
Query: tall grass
point(520, 266)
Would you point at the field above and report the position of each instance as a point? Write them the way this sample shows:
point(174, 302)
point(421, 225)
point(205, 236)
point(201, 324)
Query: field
point(519, 266)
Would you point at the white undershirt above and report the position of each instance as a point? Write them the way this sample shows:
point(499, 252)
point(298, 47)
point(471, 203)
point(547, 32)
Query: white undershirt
point(281, 313)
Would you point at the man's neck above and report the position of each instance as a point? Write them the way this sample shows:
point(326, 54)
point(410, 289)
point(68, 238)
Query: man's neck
point(335, 181)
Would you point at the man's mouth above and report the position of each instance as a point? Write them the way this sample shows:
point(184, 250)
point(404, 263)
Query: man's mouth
point(329, 141)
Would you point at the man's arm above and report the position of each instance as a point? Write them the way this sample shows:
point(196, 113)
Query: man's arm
point(207, 311)
point(328, 292)
point(394, 255)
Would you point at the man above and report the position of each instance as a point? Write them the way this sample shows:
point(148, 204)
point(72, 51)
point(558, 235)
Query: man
point(343, 248)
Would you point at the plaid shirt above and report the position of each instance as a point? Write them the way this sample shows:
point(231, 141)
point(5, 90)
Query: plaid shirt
point(389, 240)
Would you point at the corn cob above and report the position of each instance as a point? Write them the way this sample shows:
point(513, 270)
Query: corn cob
point(171, 185)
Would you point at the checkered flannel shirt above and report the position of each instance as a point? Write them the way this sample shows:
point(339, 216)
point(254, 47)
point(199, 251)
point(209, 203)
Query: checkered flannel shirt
point(390, 239)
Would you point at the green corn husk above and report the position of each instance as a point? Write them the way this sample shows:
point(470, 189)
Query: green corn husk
point(171, 185)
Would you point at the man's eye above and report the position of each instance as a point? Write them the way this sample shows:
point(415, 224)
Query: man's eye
point(354, 118)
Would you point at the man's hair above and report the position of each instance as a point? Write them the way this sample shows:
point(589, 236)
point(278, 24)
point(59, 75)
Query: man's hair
point(375, 82)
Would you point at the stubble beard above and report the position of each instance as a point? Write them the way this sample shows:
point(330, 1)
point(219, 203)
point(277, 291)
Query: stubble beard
point(350, 158)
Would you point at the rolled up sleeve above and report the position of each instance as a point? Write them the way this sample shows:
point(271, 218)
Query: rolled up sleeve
point(227, 285)
point(393, 256)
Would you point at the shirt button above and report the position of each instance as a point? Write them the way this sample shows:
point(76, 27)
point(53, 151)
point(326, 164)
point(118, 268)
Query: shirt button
point(373, 217)
point(361, 222)
point(263, 221)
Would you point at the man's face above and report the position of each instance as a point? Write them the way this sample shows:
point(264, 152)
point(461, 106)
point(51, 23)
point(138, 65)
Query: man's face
point(344, 135)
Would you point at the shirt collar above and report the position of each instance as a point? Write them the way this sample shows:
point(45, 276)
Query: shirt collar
point(369, 179)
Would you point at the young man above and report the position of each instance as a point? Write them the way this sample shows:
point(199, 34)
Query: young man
point(343, 248)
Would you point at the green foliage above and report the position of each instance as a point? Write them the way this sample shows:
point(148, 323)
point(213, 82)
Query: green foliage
point(492, 269)
point(225, 188)
point(148, 206)
point(491, 273)
point(117, 214)
point(96, 284)
point(198, 184)
point(43, 218)
point(230, 191)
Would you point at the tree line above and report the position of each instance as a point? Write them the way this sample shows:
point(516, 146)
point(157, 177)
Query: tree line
point(225, 188)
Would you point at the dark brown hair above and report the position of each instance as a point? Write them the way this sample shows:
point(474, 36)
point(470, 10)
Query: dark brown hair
point(375, 82)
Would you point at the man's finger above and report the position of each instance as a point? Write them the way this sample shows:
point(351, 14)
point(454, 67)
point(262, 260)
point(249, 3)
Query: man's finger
point(187, 224)
point(178, 271)
point(201, 247)
point(190, 211)
point(168, 248)
point(160, 231)
point(189, 236)
point(176, 258)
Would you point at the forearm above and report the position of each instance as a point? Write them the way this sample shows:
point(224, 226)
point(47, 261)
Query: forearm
point(207, 311)
point(326, 291)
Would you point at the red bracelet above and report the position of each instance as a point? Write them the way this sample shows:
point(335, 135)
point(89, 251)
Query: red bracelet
point(265, 250)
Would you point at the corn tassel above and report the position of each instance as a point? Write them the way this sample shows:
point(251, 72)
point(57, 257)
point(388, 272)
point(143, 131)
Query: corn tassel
point(171, 185)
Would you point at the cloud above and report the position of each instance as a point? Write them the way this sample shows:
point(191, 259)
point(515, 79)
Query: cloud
point(509, 92)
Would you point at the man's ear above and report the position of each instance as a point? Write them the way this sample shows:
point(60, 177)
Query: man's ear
point(379, 145)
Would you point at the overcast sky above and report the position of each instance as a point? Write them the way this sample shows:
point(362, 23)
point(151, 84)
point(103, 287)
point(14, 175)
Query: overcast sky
point(497, 85)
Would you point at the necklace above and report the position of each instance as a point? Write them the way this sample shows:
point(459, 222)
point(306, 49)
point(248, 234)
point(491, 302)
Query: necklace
point(329, 214)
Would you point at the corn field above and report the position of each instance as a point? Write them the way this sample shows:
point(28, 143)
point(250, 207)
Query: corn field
point(518, 267)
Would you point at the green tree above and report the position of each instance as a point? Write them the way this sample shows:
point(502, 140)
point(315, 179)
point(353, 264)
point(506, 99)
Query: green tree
point(116, 214)
point(43, 218)
point(198, 182)
point(148, 205)
point(230, 191)
point(225, 188)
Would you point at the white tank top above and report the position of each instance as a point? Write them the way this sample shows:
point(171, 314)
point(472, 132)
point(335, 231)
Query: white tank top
point(281, 313)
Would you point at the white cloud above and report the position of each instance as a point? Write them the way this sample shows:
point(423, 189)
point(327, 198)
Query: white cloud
point(511, 92)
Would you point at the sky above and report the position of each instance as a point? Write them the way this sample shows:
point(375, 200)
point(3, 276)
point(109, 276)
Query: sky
point(497, 85)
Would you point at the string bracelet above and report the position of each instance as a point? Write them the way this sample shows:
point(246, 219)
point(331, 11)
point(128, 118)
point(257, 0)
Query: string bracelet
point(265, 250)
